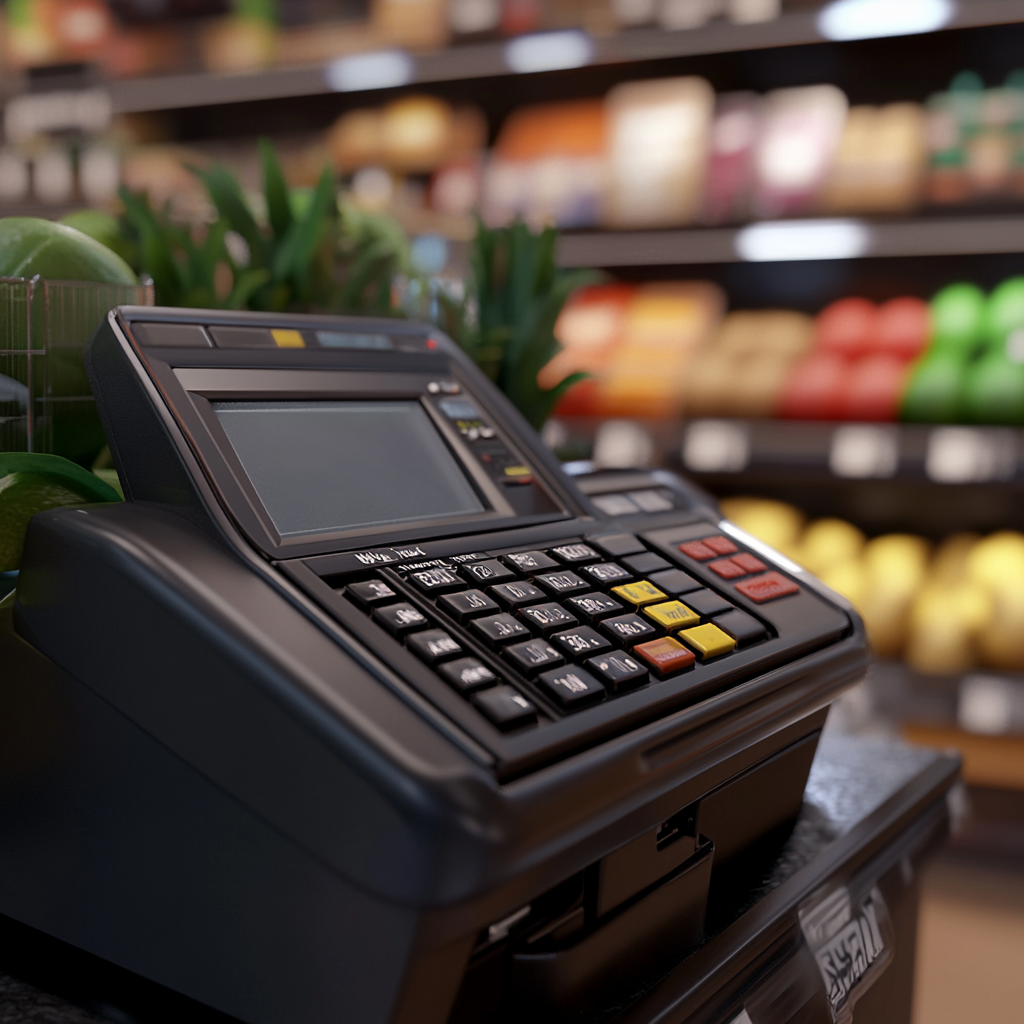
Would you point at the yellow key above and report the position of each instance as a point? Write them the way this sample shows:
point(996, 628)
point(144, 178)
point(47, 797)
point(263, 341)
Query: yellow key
point(708, 640)
point(672, 615)
point(287, 339)
point(639, 594)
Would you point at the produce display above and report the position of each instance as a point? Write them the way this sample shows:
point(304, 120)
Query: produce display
point(944, 608)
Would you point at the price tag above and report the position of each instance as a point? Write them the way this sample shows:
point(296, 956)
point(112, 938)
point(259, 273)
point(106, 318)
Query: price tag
point(716, 446)
point(851, 942)
point(969, 455)
point(38, 113)
point(864, 452)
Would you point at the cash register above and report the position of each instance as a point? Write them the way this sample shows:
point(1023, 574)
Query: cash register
point(360, 709)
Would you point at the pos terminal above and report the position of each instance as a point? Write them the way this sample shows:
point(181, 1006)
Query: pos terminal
point(359, 709)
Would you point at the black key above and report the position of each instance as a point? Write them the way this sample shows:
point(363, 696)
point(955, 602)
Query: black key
point(675, 582)
point(467, 604)
point(618, 671)
point(434, 581)
point(533, 656)
point(434, 645)
point(645, 564)
point(506, 708)
point(583, 641)
point(468, 675)
point(707, 602)
point(400, 618)
point(370, 593)
point(572, 687)
point(546, 617)
point(512, 595)
point(743, 628)
point(573, 554)
point(486, 573)
point(529, 562)
point(559, 583)
point(618, 544)
point(499, 629)
point(607, 573)
point(629, 629)
point(594, 606)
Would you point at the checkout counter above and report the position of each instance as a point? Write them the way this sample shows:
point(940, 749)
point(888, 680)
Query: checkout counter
point(359, 709)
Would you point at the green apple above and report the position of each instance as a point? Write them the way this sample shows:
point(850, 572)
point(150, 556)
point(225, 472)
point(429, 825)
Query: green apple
point(933, 393)
point(958, 317)
point(994, 391)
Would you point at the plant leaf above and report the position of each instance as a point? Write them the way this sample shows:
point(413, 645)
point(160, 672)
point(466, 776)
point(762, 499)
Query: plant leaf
point(279, 208)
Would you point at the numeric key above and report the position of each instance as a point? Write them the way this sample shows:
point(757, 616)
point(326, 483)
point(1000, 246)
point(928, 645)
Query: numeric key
point(559, 583)
point(512, 595)
point(467, 604)
point(436, 581)
point(618, 671)
point(628, 629)
point(547, 617)
point(607, 572)
point(583, 641)
point(499, 629)
point(574, 554)
point(370, 592)
point(481, 573)
point(529, 562)
point(399, 619)
point(532, 656)
point(593, 607)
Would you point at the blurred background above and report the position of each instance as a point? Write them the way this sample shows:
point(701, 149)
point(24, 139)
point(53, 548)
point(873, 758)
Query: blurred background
point(806, 223)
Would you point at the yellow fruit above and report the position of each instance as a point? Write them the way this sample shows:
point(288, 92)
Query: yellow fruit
point(997, 558)
point(897, 561)
point(774, 522)
point(827, 542)
point(1001, 638)
point(950, 562)
point(848, 578)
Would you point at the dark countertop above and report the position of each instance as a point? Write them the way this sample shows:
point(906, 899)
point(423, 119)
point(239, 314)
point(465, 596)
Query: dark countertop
point(852, 778)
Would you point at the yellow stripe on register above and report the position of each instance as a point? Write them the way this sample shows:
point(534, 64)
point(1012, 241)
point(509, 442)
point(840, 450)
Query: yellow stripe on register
point(288, 339)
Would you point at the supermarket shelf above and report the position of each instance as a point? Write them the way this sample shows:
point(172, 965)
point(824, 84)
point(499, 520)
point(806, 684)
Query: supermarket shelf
point(488, 60)
point(959, 236)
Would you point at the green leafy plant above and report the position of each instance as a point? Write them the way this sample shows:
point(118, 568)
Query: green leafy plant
point(507, 321)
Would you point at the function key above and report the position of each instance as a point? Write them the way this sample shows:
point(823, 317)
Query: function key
point(435, 581)
point(646, 563)
point(529, 562)
point(675, 582)
point(628, 629)
point(721, 545)
point(594, 606)
point(370, 592)
point(767, 587)
point(575, 553)
point(532, 656)
point(607, 572)
point(511, 595)
point(708, 640)
point(672, 615)
point(499, 629)
point(707, 603)
point(743, 628)
point(749, 562)
point(398, 619)
point(467, 604)
point(665, 655)
point(434, 645)
point(558, 583)
point(618, 671)
point(727, 568)
point(547, 617)
point(639, 594)
point(580, 642)
point(697, 550)
point(491, 571)
point(618, 544)
point(572, 687)
point(506, 708)
point(468, 675)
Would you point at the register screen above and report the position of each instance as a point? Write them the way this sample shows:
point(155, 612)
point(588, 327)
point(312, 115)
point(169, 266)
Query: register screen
point(320, 467)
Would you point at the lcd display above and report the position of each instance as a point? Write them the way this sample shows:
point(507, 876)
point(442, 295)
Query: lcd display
point(322, 467)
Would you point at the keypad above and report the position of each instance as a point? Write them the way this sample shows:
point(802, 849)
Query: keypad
point(576, 623)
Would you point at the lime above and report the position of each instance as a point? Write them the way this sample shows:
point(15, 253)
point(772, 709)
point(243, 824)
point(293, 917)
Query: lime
point(1005, 312)
point(106, 229)
point(994, 391)
point(958, 313)
point(31, 246)
point(34, 483)
point(933, 394)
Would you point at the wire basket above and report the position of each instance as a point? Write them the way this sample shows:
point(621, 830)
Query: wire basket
point(46, 405)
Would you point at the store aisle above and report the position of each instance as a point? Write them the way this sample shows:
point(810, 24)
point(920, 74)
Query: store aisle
point(970, 959)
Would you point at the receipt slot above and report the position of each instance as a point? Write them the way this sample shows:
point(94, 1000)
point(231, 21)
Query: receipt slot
point(360, 709)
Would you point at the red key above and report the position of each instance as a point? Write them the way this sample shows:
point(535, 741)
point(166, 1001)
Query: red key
point(698, 550)
point(767, 587)
point(728, 569)
point(720, 545)
point(665, 655)
point(749, 563)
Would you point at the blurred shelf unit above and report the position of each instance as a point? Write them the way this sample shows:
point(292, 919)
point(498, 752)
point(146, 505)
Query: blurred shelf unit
point(792, 240)
point(555, 50)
